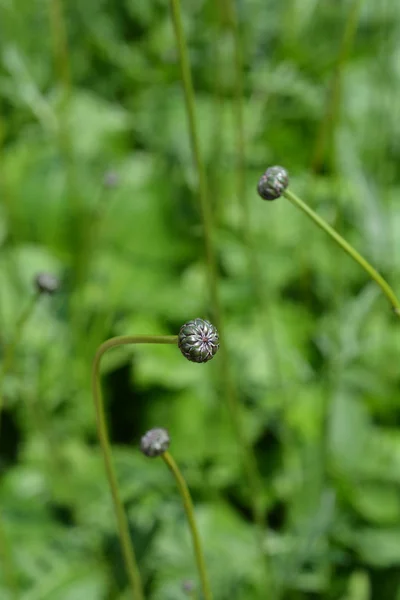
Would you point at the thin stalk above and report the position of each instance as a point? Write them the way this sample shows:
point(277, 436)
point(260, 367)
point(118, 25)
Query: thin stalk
point(58, 32)
point(122, 521)
point(348, 248)
point(9, 352)
point(249, 460)
point(255, 271)
point(9, 569)
point(335, 93)
point(189, 510)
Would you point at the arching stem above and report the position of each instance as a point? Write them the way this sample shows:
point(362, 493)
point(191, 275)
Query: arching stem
point(122, 521)
point(348, 248)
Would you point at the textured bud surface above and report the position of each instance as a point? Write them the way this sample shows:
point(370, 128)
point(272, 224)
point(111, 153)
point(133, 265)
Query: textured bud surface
point(198, 340)
point(273, 183)
point(155, 442)
point(46, 283)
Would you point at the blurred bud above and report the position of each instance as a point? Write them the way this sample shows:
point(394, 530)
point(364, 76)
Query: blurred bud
point(273, 183)
point(46, 283)
point(110, 179)
point(198, 340)
point(155, 442)
point(188, 586)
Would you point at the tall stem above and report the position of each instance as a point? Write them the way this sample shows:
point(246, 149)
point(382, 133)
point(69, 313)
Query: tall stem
point(9, 352)
point(122, 521)
point(373, 273)
point(249, 459)
point(189, 510)
point(334, 98)
point(9, 568)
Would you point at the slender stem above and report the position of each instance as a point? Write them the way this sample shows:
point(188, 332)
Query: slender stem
point(385, 287)
point(249, 459)
point(189, 510)
point(205, 206)
point(335, 92)
point(5, 549)
point(9, 568)
point(123, 527)
point(9, 352)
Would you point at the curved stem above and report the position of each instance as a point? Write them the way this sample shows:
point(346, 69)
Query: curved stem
point(372, 272)
point(189, 510)
point(123, 527)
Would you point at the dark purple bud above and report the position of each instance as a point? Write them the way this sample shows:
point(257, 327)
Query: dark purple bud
point(273, 183)
point(155, 442)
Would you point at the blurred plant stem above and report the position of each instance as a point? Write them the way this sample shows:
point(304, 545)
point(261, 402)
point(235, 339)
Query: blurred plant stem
point(8, 567)
point(228, 385)
point(364, 264)
point(327, 125)
point(77, 221)
point(9, 352)
point(255, 272)
point(189, 510)
point(61, 60)
point(123, 526)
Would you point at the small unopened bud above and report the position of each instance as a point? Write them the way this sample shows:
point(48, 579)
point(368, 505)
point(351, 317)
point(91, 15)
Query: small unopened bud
point(198, 340)
point(110, 179)
point(273, 183)
point(188, 586)
point(46, 283)
point(155, 442)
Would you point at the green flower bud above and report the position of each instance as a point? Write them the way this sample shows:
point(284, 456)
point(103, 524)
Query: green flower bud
point(198, 340)
point(46, 283)
point(273, 183)
point(155, 442)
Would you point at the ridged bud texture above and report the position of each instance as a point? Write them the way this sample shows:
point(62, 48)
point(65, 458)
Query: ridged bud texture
point(198, 340)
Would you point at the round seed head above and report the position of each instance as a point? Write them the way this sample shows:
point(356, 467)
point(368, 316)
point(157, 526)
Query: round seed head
point(46, 283)
point(273, 183)
point(198, 340)
point(155, 442)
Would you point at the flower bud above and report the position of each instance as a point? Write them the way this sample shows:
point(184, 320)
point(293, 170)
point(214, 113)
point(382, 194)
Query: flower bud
point(188, 586)
point(273, 183)
point(198, 340)
point(155, 442)
point(46, 283)
point(110, 179)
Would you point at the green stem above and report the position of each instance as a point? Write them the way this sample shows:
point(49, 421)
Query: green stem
point(205, 206)
point(9, 570)
point(122, 521)
point(189, 510)
point(249, 460)
point(9, 352)
point(385, 287)
point(335, 92)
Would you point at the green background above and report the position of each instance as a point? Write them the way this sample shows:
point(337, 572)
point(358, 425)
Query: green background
point(98, 185)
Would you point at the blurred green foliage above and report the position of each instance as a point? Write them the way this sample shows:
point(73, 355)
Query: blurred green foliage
point(97, 185)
